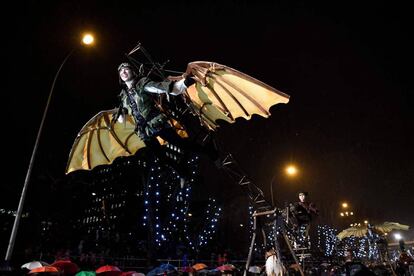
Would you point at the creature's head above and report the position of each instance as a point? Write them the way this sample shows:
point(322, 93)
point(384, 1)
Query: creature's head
point(127, 71)
point(124, 65)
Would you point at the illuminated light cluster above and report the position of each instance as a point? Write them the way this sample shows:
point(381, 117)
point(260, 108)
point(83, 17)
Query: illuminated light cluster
point(251, 226)
point(176, 198)
point(211, 218)
point(361, 247)
point(166, 201)
point(152, 196)
point(180, 205)
point(327, 239)
point(361, 251)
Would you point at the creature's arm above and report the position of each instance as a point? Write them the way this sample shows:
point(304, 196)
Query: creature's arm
point(168, 86)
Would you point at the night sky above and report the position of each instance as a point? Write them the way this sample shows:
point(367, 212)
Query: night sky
point(347, 68)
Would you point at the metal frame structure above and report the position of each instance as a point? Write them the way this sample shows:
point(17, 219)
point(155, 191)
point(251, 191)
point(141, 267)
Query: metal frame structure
point(261, 208)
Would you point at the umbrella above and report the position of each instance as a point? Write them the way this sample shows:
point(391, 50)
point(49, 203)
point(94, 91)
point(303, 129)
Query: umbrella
point(226, 267)
point(86, 273)
point(162, 269)
point(66, 266)
point(43, 269)
point(34, 264)
point(132, 273)
point(167, 268)
point(199, 266)
point(255, 269)
point(108, 270)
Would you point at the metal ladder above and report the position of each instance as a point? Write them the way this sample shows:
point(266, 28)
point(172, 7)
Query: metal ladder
point(260, 205)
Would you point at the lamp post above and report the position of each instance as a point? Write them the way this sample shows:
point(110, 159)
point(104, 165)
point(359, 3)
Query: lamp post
point(86, 40)
point(347, 215)
point(290, 170)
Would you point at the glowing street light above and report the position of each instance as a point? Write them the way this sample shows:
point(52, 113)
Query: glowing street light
point(398, 236)
point(86, 40)
point(290, 170)
point(344, 205)
point(346, 214)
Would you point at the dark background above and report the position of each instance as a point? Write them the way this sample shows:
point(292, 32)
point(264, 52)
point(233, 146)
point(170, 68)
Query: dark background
point(347, 66)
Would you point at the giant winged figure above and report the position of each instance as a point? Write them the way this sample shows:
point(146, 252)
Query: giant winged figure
point(218, 93)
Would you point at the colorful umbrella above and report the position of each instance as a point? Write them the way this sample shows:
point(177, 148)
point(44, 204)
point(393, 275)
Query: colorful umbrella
point(132, 273)
point(42, 269)
point(199, 266)
point(162, 270)
point(66, 266)
point(108, 270)
point(255, 269)
point(226, 267)
point(86, 273)
point(34, 264)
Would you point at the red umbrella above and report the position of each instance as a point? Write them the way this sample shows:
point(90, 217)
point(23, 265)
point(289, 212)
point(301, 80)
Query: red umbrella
point(44, 269)
point(226, 267)
point(132, 273)
point(66, 266)
point(108, 270)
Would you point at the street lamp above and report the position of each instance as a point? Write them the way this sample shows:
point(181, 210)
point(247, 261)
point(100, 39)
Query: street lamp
point(290, 171)
point(398, 236)
point(346, 214)
point(87, 40)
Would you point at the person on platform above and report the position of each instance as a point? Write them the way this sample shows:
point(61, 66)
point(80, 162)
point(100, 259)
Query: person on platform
point(303, 213)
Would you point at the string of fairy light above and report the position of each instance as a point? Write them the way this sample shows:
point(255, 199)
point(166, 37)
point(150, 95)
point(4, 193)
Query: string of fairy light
point(178, 198)
point(251, 226)
point(327, 239)
point(212, 215)
point(152, 201)
point(361, 247)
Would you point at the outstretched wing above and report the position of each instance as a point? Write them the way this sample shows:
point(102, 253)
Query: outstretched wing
point(223, 93)
point(387, 227)
point(352, 231)
point(100, 141)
